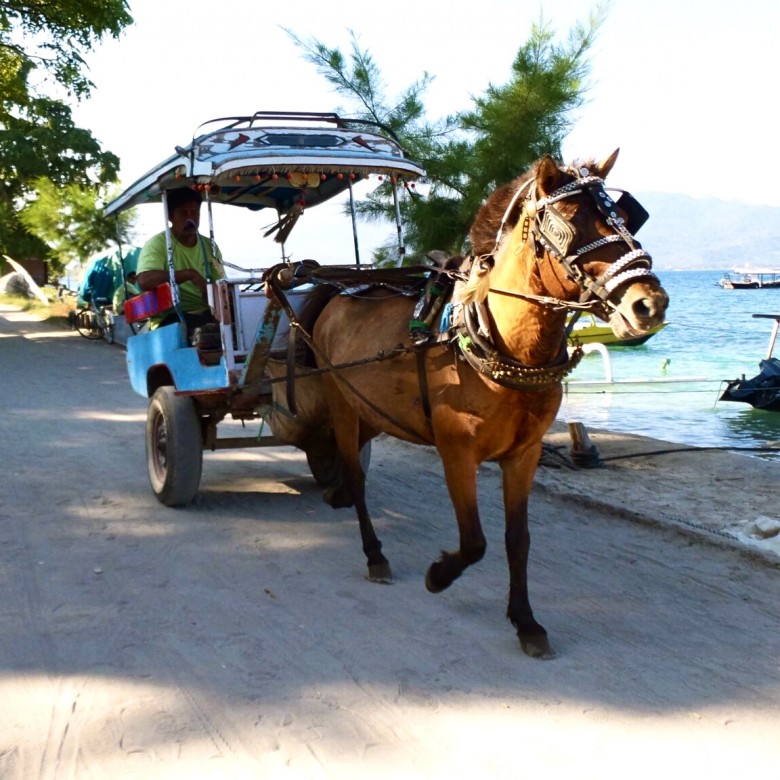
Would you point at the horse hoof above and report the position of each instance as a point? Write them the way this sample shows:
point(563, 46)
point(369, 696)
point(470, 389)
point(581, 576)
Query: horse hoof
point(537, 646)
point(338, 497)
point(380, 572)
point(432, 585)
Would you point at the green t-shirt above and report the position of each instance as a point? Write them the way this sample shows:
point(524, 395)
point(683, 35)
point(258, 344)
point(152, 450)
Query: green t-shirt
point(154, 257)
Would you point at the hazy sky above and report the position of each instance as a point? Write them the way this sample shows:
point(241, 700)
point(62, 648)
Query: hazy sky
point(685, 88)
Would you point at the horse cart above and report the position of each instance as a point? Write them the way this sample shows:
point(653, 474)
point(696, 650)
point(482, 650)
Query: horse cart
point(278, 162)
point(468, 358)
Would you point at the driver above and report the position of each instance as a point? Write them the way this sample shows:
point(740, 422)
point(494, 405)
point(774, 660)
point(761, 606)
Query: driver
point(191, 254)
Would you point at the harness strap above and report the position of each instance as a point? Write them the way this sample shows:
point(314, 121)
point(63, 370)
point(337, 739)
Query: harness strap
point(423, 375)
point(292, 340)
point(503, 370)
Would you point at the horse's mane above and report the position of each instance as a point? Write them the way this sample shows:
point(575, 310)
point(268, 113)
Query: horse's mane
point(484, 230)
point(482, 235)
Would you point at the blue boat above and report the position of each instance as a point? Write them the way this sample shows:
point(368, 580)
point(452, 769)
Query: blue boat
point(763, 390)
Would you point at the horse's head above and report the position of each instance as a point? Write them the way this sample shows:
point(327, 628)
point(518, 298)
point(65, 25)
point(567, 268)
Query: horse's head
point(587, 238)
point(581, 241)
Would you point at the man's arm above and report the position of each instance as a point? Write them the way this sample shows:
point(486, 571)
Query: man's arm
point(148, 280)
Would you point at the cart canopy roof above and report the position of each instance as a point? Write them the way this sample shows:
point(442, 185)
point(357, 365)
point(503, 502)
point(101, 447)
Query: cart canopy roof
point(275, 160)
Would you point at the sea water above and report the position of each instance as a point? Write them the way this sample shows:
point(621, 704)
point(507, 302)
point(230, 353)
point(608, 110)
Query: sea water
point(711, 338)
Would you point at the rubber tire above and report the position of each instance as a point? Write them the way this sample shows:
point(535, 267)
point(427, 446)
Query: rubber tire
point(174, 447)
point(108, 329)
point(326, 466)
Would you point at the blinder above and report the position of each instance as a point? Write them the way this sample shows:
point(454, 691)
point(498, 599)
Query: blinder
point(556, 231)
point(636, 214)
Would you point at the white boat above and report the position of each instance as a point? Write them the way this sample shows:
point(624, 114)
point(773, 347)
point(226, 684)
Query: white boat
point(750, 278)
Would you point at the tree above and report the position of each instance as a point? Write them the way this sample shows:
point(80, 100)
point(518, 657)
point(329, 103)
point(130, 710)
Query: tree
point(69, 220)
point(42, 44)
point(469, 154)
point(53, 36)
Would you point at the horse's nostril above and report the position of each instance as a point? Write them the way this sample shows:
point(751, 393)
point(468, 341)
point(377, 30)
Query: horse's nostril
point(650, 307)
point(643, 308)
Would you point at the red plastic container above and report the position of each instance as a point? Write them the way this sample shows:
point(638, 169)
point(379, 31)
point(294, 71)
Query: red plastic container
point(149, 303)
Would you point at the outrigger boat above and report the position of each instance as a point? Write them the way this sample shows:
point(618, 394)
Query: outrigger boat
point(588, 330)
point(751, 279)
point(285, 162)
point(763, 390)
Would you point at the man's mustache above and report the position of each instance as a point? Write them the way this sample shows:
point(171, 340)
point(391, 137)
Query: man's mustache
point(192, 223)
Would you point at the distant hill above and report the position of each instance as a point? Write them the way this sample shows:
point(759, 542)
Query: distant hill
point(694, 233)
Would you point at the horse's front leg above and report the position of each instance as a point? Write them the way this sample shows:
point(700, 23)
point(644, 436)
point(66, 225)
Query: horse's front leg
point(518, 475)
point(461, 475)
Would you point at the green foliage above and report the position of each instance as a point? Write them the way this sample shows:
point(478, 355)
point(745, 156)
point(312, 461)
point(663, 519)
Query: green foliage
point(68, 219)
point(468, 155)
point(42, 43)
point(51, 37)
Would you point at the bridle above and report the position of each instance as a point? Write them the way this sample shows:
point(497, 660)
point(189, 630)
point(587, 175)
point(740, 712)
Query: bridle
point(552, 232)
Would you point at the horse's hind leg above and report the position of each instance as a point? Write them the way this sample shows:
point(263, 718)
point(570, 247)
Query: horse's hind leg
point(350, 441)
point(518, 475)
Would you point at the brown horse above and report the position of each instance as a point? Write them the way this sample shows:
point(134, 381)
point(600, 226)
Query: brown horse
point(552, 240)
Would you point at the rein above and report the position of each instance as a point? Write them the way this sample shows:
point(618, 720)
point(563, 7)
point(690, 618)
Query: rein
point(466, 327)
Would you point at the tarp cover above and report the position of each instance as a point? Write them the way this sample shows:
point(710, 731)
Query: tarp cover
point(104, 274)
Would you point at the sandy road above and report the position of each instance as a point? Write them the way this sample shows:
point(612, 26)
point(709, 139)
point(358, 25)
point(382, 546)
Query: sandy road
point(238, 638)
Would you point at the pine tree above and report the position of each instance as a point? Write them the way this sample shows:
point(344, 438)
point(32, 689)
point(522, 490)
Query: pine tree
point(468, 155)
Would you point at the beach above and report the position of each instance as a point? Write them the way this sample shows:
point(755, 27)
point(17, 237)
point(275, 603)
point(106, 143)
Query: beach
point(724, 497)
point(238, 637)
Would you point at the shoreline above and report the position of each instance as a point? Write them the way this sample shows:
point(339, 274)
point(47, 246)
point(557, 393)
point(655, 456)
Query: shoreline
point(718, 495)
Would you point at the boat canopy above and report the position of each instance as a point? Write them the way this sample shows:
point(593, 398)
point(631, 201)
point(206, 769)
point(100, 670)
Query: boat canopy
point(756, 270)
point(275, 160)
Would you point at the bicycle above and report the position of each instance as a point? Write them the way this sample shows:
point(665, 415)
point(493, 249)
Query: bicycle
point(94, 320)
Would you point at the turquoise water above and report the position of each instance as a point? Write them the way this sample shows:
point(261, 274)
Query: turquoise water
point(711, 337)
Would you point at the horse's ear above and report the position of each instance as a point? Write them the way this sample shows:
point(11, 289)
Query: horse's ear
point(605, 166)
point(548, 175)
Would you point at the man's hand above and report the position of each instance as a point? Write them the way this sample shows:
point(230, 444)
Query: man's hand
point(193, 276)
point(148, 280)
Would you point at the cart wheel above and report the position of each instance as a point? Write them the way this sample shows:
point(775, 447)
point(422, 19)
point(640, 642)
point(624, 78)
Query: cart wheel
point(108, 328)
point(325, 462)
point(174, 447)
point(87, 326)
